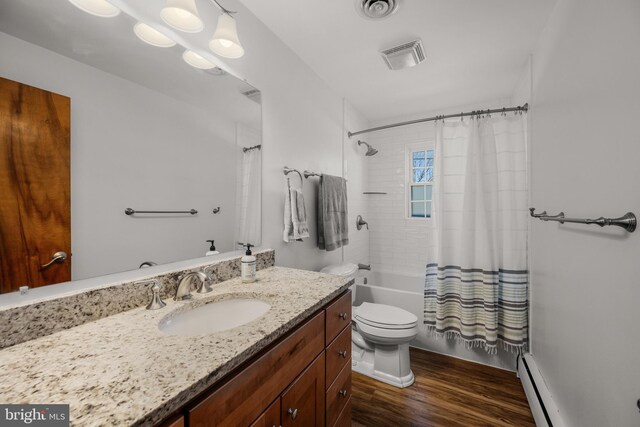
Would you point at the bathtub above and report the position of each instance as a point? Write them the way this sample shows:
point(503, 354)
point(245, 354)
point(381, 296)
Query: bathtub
point(407, 292)
point(401, 291)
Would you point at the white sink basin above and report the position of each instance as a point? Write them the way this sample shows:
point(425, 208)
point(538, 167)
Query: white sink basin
point(214, 317)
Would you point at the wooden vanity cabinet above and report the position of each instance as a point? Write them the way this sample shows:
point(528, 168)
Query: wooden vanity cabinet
point(270, 417)
point(302, 380)
point(302, 404)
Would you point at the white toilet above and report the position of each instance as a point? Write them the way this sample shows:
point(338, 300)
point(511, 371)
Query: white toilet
point(380, 336)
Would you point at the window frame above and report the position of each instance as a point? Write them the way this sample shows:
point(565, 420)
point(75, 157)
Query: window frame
point(426, 145)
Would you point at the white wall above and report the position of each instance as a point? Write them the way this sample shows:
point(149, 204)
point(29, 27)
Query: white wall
point(356, 166)
point(303, 128)
point(585, 150)
point(133, 147)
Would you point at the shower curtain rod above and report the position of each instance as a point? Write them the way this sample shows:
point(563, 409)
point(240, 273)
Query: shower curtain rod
point(524, 108)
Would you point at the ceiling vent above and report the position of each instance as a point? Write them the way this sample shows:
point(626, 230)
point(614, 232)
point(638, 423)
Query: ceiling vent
point(376, 9)
point(404, 56)
point(254, 95)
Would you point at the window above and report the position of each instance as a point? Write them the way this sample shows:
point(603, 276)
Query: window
point(420, 181)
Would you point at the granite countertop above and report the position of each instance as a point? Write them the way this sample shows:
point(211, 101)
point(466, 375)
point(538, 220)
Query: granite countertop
point(122, 370)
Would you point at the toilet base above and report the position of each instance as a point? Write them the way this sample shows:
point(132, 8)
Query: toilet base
point(389, 364)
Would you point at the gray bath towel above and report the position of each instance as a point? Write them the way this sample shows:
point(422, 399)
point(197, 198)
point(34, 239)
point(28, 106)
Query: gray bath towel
point(333, 230)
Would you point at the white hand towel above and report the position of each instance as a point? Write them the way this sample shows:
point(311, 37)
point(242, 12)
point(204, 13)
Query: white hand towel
point(299, 215)
point(295, 214)
point(288, 222)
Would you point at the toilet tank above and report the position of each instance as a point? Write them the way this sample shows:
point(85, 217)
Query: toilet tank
point(344, 270)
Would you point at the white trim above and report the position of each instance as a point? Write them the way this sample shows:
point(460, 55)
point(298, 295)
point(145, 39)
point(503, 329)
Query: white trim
point(424, 145)
point(532, 381)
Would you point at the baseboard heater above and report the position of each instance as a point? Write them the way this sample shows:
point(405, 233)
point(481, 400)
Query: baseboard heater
point(544, 410)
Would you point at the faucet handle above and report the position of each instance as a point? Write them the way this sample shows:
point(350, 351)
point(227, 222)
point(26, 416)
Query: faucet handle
point(205, 284)
point(156, 302)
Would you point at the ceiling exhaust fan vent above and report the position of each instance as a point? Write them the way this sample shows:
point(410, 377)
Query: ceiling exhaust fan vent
point(376, 9)
point(254, 95)
point(404, 56)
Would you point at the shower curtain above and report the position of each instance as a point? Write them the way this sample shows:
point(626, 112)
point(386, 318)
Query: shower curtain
point(249, 223)
point(476, 287)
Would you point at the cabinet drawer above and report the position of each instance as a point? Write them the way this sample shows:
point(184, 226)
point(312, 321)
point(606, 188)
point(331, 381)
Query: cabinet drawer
point(338, 394)
point(338, 353)
point(344, 420)
point(302, 404)
point(338, 316)
point(243, 399)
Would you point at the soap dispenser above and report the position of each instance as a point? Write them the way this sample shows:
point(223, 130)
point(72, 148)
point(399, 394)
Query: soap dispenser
point(248, 265)
point(212, 249)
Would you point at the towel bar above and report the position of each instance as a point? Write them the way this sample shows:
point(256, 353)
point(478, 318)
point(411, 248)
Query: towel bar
point(130, 211)
point(627, 221)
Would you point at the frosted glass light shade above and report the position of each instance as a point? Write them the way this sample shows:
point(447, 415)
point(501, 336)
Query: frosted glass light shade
point(182, 15)
point(101, 8)
point(225, 40)
point(152, 36)
point(196, 60)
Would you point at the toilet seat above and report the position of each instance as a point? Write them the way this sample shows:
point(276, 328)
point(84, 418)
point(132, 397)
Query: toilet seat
point(381, 316)
point(387, 336)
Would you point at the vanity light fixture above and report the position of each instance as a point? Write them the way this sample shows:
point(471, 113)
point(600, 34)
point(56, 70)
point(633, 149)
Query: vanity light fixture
point(225, 41)
point(196, 60)
point(101, 8)
point(150, 35)
point(182, 15)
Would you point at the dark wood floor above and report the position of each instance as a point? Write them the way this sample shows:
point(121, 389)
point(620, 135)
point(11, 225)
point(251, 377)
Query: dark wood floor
point(448, 392)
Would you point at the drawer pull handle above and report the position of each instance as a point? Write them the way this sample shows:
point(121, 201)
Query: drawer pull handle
point(293, 413)
point(343, 316)
point(343, 393)
point(343, 353)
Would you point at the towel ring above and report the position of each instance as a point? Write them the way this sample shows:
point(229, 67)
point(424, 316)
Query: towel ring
point(287, 170)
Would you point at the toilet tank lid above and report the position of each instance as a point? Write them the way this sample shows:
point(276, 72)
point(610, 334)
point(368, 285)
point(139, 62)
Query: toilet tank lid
point(384, 314)
point(347, 269)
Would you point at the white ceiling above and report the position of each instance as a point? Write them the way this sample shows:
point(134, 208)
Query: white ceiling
point(476, 50)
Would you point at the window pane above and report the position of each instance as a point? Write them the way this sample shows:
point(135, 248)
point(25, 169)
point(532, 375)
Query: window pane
point(428, 210)
point(418, 155)
point(428, 192)
point(418, 163)
point(417, 192)
point(428, 175)
point(419, 175)
point(418, 210)
point(429, 161)
point(429, 154)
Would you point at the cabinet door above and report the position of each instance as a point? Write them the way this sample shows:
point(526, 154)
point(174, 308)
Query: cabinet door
point(270, 417)
point(244, 397)
point(303, 401)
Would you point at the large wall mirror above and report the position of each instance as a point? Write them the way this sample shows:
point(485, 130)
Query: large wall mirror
point(92, 122)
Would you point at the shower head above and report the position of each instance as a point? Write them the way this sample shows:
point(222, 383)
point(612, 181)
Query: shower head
point(370, 150)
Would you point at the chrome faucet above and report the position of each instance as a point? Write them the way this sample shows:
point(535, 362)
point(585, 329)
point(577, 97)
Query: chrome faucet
point(184, 286)
point(361, 222)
